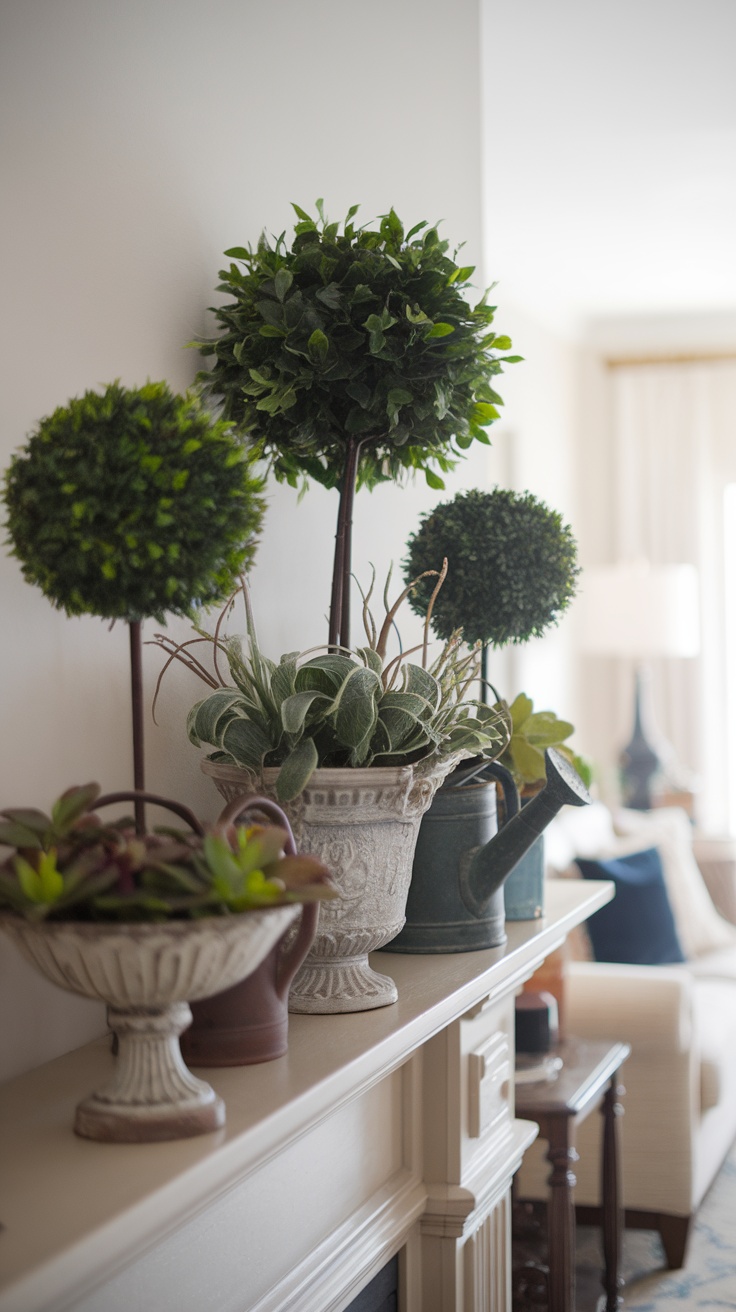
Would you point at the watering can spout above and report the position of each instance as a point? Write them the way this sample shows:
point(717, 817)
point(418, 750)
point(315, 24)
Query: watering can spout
point(490, 866)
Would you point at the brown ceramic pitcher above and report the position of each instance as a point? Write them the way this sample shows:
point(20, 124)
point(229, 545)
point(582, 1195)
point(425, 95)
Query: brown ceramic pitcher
point(249, 1023)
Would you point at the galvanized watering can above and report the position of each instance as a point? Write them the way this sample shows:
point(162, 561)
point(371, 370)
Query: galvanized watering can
point(455, 901)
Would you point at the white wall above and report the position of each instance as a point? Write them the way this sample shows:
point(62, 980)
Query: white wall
point(539, 430)
point(139, 140)
point(539, 427)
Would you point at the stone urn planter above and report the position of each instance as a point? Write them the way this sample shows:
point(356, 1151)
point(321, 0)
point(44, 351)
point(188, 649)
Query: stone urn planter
point(147, 974)
point(363, 825)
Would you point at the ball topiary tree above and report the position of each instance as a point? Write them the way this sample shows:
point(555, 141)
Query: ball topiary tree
point(352, 357)
point(133, 503)
point(512, 567)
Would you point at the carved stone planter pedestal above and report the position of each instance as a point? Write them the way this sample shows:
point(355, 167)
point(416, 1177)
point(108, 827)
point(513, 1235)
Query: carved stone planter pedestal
point(148, 974)
point(363, 825)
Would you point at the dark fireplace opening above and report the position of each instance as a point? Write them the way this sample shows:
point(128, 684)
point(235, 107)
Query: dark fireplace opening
point(382, 1294)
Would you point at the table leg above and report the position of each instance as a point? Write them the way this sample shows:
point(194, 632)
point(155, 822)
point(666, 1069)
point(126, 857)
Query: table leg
point(561, 1216)
point(612, 1229)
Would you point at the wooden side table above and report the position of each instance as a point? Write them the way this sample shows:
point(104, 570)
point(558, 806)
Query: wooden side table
point(588, 1078)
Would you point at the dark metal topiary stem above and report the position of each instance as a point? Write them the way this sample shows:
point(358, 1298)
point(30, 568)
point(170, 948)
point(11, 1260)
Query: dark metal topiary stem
point(136, 689)
point(339, 634)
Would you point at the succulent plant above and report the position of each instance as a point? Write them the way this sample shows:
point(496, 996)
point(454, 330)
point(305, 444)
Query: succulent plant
point(71, 866)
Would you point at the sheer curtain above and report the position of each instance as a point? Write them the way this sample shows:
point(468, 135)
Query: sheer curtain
point(675, 453)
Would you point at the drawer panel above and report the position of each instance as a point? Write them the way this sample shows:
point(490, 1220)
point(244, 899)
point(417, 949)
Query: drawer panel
point(489, 1083)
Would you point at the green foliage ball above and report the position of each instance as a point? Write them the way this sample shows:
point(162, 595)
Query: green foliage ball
point(132, 503)
point(359, 332)
point(512, 566)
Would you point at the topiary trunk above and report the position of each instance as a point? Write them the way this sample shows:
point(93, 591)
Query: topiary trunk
point(136, 694)
point(339, 634)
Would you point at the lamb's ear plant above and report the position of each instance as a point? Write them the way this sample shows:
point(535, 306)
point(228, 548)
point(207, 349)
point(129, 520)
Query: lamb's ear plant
point(132, 503)
point(512, 567)
point(338, 708)
point(352, 356)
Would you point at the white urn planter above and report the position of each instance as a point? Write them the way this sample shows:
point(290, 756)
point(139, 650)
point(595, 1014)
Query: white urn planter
point(363, 824)
point(147, 974)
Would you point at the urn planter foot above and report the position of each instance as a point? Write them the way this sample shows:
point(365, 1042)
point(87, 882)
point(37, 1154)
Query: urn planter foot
point(151, 1095)
point(330, 987)
point(99, 1120)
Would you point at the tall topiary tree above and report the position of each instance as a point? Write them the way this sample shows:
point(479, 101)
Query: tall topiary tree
point(352, 357)
point(129, 504)
point(512, 567)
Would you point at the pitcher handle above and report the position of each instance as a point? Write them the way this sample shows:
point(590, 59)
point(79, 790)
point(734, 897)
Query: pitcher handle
point(494, 770)
point(290, 958)
point(231, 813)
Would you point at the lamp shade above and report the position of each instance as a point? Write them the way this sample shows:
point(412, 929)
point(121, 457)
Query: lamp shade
point(638, 610)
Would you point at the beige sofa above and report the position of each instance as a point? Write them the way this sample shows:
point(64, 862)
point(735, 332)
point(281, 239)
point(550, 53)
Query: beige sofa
point(680, 1105)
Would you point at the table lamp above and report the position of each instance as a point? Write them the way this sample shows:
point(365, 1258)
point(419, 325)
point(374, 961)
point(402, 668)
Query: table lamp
point(640, 611)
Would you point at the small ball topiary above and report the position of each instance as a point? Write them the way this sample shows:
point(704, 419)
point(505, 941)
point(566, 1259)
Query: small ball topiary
point(512, 566)
point(132, 503)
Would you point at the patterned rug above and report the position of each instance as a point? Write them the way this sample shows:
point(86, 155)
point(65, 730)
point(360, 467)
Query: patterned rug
point(707, 1282)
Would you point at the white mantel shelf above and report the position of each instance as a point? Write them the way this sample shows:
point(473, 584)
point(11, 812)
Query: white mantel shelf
point(76, 1214)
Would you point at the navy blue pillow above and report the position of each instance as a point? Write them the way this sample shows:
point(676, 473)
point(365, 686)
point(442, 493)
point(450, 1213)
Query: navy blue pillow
point(637, 927)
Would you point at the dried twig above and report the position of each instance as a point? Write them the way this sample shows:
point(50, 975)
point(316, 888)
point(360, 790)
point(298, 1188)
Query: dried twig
point(324, 646)
point(393, 666)
point(387, 623)
point(428, 616)
point(175, 651)
point(229, 604)
point(369, 623)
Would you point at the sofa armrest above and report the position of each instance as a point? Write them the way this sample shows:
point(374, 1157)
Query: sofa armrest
point(648, 1006)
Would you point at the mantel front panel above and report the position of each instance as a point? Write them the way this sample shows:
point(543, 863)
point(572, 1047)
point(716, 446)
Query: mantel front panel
point(288, 1215)
point(388, 1131)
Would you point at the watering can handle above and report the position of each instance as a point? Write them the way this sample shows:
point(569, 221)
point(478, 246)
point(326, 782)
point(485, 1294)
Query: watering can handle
point(494, 770)
point(291, 957)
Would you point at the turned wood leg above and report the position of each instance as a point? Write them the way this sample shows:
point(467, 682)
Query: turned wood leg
point(674, 1231)
point(612, 1219)
point(561, 1217)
